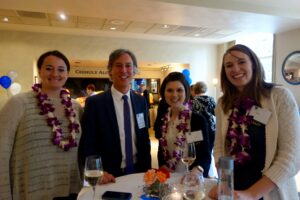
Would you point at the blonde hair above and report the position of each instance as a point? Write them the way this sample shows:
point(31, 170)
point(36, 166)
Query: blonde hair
point(199, 87)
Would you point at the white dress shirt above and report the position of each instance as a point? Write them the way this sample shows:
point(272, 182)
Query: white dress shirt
point(118, 103)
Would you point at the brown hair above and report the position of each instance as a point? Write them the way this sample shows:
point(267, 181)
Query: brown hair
point(55, 53)
point(175, 76)
point(256, 88)
point(116, 54)
point(91, 87)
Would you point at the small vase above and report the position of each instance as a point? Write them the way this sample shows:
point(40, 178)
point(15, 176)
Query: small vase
point(156, 190)
point(164, 189)
point(152, 190)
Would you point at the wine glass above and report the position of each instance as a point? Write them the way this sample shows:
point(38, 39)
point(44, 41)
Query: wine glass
point(189, 155)
point(193, 186)
point(93, 171)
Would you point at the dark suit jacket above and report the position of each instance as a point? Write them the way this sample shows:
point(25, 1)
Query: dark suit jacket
point(203, 148)
point(100, 133)
point(146, 96)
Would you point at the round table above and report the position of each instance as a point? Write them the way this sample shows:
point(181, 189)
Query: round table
point(132, 183)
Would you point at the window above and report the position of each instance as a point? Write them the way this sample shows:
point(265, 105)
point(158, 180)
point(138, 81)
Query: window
point(262, 45)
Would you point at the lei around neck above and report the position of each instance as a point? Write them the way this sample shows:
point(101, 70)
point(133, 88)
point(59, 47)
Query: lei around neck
point(48, 109)
point(237, 134)
point(182, 127)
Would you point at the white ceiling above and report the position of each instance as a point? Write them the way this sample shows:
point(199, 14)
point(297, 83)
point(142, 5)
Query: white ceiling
point(215, 21)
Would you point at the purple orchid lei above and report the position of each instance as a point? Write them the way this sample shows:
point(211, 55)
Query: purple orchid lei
point(183, 127)
point(237, 134)
point(47, 109)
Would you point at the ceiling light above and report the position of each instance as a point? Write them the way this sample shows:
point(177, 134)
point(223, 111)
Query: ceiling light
point(215, 81)
point(117, 22)
point(62, 16)
point(165, 26)
point(113, 28)
point(165, 68)
point(197, 35)
point(5, 19)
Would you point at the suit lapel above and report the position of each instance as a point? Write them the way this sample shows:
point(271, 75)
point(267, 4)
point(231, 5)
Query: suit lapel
point(134, 102)
point(112, 118)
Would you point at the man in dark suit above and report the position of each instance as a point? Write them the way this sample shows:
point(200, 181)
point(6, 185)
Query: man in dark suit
point(145, 93)
point(104, 124)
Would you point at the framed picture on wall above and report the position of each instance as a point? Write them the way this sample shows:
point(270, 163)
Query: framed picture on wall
point(153, 86)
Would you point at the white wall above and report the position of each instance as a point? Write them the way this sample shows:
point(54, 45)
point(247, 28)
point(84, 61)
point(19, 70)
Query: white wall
point(285, 43)
point(19, 50)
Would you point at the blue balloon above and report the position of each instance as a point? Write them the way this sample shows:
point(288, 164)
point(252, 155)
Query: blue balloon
point(186, 73)
point(5, 81)
point(189, 80)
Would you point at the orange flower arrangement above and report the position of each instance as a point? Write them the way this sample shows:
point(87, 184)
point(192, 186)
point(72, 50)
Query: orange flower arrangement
point(153, 178)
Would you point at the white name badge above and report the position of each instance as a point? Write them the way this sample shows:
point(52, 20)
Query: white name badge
point(261, 115)
point(140, 120)
point(194, 136)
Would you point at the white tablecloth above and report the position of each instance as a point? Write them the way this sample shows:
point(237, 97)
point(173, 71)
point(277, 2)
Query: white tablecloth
point(130, 183)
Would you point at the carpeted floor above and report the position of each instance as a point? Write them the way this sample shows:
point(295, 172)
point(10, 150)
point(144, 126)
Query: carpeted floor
point(154, 147)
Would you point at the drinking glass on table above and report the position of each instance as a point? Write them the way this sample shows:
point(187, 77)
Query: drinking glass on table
point(189, 155)
point(193, 186)
point(93, 171)
point(174, 192)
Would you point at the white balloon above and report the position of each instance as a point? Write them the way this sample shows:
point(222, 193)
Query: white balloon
point(12, 74)
point(15, 88)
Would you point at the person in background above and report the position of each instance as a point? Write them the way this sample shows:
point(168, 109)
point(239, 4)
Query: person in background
point(38, 137)
point(104, 129)
point(205, 105)
point(258, 125)
point(173, 123)
point(90, 90)
point(192, 92)
point(145, 93)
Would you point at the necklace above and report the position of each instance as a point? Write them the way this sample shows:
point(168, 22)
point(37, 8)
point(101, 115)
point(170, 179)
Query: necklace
point(48, 109)
point(237, 134)
point(182, 127)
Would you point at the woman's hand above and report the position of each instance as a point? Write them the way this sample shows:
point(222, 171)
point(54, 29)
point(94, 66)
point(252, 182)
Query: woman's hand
point(243, 195)
point(238, 195)
point(198, 170)
point(262, 187)
point(106, 178)
point(213, 193)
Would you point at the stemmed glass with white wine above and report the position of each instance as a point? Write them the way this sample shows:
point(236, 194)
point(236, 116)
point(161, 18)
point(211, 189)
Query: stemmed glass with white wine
point(93, 171)
point(189, 155)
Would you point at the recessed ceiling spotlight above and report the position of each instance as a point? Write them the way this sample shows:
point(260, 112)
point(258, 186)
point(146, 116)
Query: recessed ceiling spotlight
point(165, 26)
point(62, 16)
point(5, 19)
point(117, 22)
point(113, 28)
point(197, 35)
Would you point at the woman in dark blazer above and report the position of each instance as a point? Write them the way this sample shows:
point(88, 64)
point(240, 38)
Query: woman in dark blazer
point(173, 123)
